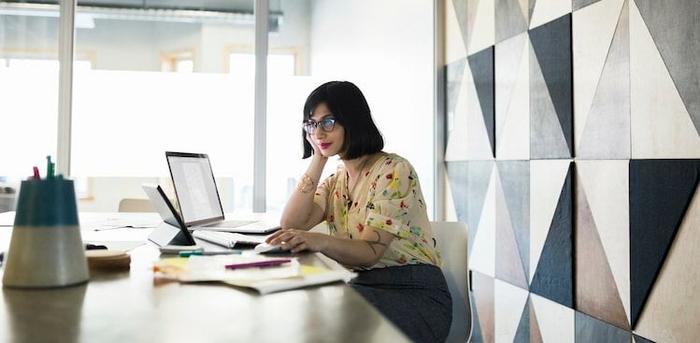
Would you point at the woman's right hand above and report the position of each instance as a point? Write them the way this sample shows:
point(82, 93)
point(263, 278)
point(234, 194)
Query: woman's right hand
point(317, 150)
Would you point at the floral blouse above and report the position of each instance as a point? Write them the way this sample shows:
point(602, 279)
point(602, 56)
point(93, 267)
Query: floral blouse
point(389, 198)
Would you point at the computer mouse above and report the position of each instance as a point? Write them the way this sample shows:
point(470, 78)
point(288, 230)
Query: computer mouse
point(265, 248)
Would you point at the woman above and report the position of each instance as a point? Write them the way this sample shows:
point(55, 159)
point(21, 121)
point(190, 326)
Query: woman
point(375, 211)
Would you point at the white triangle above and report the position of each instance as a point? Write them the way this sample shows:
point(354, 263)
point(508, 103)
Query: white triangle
point(482, 258)
point(671, 313)
point(454, 42)
point(508, 56)
point(546, 181)
point(508, 308)
point(556, 321)
point(606, 184)
point(592, 30)
point(450, 210)
point(661, 125)
point(514, 141)
point(478, 143)
point(457, 134)
point(484, 34)
point(548, 10)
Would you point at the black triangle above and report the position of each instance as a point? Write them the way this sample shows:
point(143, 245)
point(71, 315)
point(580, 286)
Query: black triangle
point(554, 275)
point(454, 73)
point(640, 339)
point(481, 64)
point(589, 329)
point(552, 45)
point(522, 334)
point(660, 192)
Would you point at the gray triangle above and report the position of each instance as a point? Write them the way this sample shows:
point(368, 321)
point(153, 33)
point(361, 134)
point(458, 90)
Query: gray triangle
point(478, 177)
point(606, 133)
point(481, 66)
point(546, 137)
point(551, 43)
point(455, 73)
point(531, 8)
point(509, 19)
point(579, 4)
point(522, 334)
point(674, 27)
point(515, 181)
point(461, 10)
point(589, 329)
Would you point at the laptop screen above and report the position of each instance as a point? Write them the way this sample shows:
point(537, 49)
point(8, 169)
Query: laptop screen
point(195, 188)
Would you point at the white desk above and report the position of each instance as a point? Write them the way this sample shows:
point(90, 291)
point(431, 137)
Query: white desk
point(131, 306)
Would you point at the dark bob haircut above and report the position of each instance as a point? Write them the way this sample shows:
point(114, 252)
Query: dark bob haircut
point(350, 109)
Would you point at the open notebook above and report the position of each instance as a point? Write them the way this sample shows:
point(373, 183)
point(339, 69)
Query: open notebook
point(291, 275)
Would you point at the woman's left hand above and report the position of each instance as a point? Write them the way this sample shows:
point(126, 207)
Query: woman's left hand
point(298, 240)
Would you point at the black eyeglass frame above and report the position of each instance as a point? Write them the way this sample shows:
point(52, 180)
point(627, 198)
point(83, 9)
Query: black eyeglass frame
point(311, 125)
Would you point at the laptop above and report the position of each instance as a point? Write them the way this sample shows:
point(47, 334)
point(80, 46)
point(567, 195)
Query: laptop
point(198, 197)
point(178, 234)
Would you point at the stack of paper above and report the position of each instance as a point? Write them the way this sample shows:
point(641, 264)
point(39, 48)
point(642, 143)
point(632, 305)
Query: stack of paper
point(290, 275)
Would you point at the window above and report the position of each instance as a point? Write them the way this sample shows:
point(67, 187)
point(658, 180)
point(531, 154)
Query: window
point(148, 94)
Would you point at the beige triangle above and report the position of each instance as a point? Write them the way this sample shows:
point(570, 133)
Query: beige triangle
point(671, 313)
point(546, 181)
point(525, 8)
point(514, 141)
point(454, 43)
point(548, 10)
point(535, 334)
point(484, 34)
point(592, 30)
point(661, 125)
point(606, 184)
point(457, 134)
point(482, 258)
point(509, 304)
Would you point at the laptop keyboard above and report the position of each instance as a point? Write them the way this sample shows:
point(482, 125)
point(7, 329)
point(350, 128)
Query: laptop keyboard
point(228, 239)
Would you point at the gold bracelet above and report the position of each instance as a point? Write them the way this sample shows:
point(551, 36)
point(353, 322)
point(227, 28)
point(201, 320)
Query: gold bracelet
point(306, 185)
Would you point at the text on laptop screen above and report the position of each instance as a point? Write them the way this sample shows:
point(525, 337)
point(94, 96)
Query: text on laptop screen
point(196, 190)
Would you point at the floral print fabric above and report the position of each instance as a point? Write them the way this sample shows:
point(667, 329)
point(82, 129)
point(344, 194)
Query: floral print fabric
point(389, 198)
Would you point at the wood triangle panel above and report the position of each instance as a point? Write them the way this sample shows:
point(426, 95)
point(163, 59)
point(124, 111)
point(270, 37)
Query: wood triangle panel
point(660, 192)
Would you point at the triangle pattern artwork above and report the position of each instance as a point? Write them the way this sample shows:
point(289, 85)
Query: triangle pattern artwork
point(674, 26)
point(660, 191)
point(661, 124)
point(592, 32)
point(589, 329)
point(596, 291)
point(481, 65)
point(553, 277)
point(607, 131)
point(509, 19)
point(551, 44)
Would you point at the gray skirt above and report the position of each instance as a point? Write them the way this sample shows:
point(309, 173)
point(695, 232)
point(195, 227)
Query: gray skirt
point(413, 297)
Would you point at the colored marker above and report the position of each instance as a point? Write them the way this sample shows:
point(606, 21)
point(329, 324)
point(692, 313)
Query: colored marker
point(36, 173)
point(259, 264)
point(49, 168)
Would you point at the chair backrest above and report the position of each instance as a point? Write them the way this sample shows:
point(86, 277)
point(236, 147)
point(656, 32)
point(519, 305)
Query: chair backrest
point(135, 205)
point(452, 242)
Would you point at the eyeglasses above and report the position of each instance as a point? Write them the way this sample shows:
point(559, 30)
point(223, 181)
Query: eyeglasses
point(327, 124)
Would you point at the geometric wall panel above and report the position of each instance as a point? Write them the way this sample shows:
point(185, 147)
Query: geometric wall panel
point(513, 98)
point(601, 81)
point(602, 241)
point(660, 192)
point(589, 329)
point(674, 26)
point(556, 323)
point(662, 126)
point(543, 11)
point(482, 25)
point(512, 222)
point(551, 229)
point(481, 65)
point(511, 18)
point(551, 98)
point(509, 305)
point(483, 308)
point(671, 313)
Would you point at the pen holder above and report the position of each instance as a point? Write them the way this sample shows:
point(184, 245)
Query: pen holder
point(46, 249)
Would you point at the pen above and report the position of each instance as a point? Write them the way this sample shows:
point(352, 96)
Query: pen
point(49, 167)
point(259, 264)
point(36, 173)
point(189, 253)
